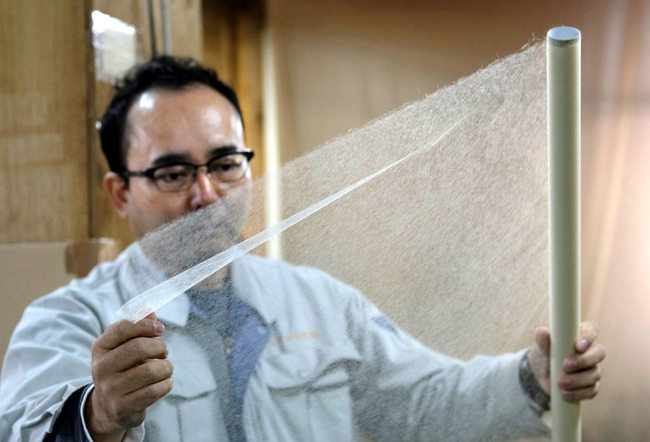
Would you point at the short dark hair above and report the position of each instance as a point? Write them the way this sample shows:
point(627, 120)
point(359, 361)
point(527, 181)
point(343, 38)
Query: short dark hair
point(163, 71)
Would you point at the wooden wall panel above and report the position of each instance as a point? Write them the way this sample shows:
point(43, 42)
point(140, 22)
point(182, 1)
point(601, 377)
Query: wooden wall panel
point(232, 46)
point(43, 131)
point(186, 28)
point(104, 222)
point(219, 39)
point(248, 81)
point(187, 40)
point(51, 165)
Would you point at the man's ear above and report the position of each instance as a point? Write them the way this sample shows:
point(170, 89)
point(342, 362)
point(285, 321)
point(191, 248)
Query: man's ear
point(116, 188)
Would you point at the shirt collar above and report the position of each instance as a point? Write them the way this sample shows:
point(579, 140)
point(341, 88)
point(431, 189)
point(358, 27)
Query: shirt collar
point(250, 284)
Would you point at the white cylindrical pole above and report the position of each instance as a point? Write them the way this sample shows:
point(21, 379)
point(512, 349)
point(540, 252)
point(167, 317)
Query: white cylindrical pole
point(563, 57)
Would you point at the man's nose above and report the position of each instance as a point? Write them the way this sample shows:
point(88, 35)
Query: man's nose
point(204, 190)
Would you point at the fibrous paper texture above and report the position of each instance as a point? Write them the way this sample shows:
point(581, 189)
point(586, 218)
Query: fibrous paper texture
point(436, 214)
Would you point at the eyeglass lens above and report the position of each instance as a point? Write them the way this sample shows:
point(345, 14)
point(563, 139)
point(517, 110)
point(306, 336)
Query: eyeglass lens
point(179, 177)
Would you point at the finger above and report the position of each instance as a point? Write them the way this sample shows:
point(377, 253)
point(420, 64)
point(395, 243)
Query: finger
point(133, 353)
point(144, 397)
point(583, 379)
point(151, 372)
point(588, 334)
point(581, 394)
point(543, 340)
point(153, 316)
point(121, 331)
point(592, 357)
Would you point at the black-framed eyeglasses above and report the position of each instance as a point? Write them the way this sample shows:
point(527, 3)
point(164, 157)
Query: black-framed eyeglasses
point(230, 165)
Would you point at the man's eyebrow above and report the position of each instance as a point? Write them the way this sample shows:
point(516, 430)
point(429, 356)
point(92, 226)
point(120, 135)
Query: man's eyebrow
point(171, 158)
point(184, 158)
point(221, 150)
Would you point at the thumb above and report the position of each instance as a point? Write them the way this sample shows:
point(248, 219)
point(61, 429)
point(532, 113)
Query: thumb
point(152, 315)
point(543, 340)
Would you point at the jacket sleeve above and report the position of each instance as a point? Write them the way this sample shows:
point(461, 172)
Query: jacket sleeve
point(69, 425)
point(47, 362)
point(405, 391)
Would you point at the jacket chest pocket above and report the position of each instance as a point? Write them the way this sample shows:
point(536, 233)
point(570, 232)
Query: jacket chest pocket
point(310, 390)
point(192, 408)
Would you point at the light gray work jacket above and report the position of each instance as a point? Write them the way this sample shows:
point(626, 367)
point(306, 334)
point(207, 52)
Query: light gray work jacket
point(321, 363)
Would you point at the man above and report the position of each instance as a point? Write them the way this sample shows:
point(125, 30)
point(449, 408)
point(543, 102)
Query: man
point(295, 355)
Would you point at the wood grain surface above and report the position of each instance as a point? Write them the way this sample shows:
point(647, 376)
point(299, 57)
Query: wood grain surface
point(43, 132)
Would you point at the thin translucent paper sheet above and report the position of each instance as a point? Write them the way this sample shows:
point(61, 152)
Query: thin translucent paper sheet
point(435, 213)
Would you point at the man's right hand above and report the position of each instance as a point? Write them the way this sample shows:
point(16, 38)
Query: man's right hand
point(130, 371)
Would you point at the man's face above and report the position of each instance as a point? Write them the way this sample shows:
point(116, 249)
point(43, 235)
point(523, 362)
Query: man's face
point(163, 126)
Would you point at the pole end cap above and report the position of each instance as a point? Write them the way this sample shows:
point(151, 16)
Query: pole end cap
point(563, 35)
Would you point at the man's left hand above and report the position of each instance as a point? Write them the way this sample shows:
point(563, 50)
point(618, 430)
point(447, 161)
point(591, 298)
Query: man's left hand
point(582, 371)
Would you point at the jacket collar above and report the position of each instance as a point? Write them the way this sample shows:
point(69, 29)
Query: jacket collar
point(138, 274)
point(251, 280)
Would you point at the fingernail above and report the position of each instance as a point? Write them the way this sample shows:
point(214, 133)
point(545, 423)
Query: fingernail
point(158, 327)
point(583, 344)
point(570, 364)
point(565, 383)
